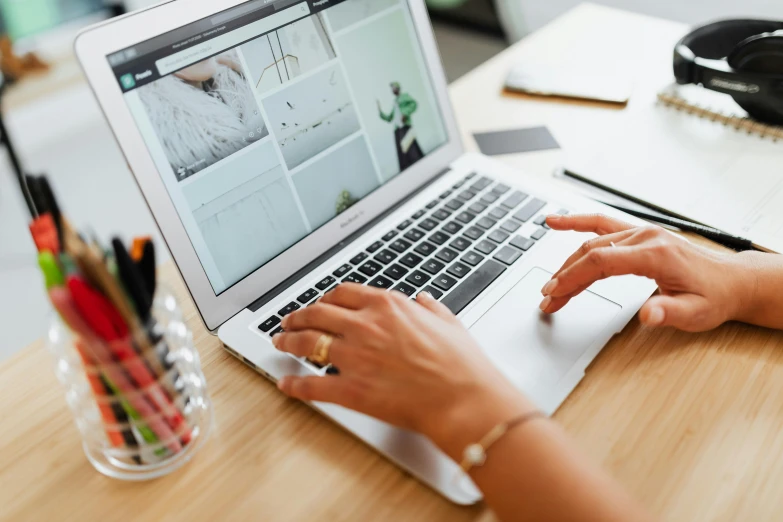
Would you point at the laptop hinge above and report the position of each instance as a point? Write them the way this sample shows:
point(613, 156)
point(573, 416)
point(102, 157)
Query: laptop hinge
point(345, 243)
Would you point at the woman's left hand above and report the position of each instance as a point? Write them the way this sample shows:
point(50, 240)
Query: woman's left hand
point(409, 363)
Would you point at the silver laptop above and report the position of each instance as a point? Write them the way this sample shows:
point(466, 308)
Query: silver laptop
point(287, 146)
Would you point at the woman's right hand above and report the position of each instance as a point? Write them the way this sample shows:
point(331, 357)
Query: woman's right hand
point(699, 289)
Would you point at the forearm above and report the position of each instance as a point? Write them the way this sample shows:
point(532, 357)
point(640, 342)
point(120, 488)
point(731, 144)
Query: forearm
point(760, 279)
point(534, 472)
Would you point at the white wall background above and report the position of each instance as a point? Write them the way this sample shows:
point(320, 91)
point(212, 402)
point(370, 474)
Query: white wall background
point(536, 13)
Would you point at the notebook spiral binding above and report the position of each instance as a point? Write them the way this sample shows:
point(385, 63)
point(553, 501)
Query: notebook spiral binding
point(740, 123)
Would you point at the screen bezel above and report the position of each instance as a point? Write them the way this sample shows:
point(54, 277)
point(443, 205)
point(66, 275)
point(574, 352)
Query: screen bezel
point(92, 48)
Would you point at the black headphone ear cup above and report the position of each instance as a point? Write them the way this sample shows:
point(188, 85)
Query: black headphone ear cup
point(762, 53)
point(763, 112)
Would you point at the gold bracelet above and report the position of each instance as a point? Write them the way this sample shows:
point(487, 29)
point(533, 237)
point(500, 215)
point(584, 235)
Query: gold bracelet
point(476, 454)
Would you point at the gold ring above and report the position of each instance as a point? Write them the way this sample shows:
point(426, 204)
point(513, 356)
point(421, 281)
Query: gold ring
point(320, 353)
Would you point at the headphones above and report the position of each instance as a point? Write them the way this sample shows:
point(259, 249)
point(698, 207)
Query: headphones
point(741, 58)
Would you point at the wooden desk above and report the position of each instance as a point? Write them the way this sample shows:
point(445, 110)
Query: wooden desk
point(690, 424)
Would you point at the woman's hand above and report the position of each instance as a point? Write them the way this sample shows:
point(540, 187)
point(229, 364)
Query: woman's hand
point(699, 289)
point(411, 364)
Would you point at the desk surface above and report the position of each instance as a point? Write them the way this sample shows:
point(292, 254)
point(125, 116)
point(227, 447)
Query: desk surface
point(692, 425)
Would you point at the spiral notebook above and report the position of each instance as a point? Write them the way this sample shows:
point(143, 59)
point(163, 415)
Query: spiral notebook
point(695, 154)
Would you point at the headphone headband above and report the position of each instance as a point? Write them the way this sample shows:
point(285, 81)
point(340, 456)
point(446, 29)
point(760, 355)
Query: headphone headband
point(741, 58)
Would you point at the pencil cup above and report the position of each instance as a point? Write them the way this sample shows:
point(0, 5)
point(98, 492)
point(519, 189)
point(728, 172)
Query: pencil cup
point(140, 402)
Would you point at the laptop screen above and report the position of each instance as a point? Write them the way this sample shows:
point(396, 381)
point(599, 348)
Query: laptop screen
point(270, 119)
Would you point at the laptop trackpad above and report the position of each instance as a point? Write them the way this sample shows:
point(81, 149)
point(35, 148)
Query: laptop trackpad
point(534, 350)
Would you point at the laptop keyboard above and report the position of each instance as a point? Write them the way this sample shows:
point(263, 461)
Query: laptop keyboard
point(454, 248)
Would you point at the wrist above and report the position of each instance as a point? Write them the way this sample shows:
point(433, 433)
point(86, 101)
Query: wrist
point(467, 421)
point(747, 292)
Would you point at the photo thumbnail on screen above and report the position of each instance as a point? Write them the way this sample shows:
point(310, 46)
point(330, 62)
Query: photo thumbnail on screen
point(203, 113)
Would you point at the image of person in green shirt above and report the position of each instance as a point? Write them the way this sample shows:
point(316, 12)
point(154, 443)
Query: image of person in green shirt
point(408, 150)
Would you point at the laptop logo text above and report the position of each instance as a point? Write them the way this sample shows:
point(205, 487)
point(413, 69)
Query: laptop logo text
point(351, 219)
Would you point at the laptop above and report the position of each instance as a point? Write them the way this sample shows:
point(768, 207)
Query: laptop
point(287, 146)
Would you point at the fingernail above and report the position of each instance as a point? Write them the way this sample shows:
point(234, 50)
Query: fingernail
point(545, 303)
point(276, 340)
point(549, 287)
point(656, 316)
point(553, 217)
point(281, 383)
point(285, 321)
point(424, 294)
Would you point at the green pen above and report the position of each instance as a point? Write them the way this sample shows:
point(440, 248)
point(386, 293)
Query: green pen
point(51, 271)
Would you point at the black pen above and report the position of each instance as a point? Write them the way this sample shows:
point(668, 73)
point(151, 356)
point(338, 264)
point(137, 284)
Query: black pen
point(739, 244)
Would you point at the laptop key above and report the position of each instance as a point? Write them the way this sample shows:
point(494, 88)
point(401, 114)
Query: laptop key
point(425, 249)
point(340, 272)
point(325, 283)
point(444, 282)
point(419, 214)
point(276, 331)
point(455, 204)
point(529, 210)
point(417, 278)
point(432, 204)
point(459, 270)
point(508, 255)
point(375, 247)
point(370, 268)
point(405, 224)
point(390, 235)
point(460, 244)
point(441, 214)
point(514, 200)
point(439, 237)
point(470, 176)
point(474, 233)
point(481, 184)
point(498, 213)
point(308, 296)
point(414, 235)
point(486, 223)
point(538, 234)
point(445, 194)
point(289, 309)
point(501, 189)
point(433, 266)
point(395, 272)
point(452, 227)
point(522, 243)
point(380, 282)
point(465, 217)
point(510, 226)
point(540, 221)
point(498, 236)
point(269, 324)
point(472, 258)
point(406, 289)
point(486, 247)
point(410, 260)
point(466, 195)
point(472, 287)
point(385, 256)
point(428, 224)
point(447, 255)
point(437, 294)
point(458, 184)
point(489, 198)
point(400, 245)
point(355, 278)
point(358, 258)
point(477, 208)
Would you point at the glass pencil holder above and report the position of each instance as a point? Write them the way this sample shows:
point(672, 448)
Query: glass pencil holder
point(140, 402)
